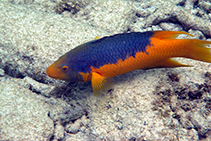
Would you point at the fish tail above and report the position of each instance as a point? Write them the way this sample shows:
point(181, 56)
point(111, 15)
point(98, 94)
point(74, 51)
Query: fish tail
point(198, 50)
point(195, 49)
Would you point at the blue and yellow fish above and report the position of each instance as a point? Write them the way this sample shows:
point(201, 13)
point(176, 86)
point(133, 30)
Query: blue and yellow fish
point(110, 56)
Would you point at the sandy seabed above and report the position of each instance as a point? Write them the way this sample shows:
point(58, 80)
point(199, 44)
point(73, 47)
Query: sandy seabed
point(156, 104)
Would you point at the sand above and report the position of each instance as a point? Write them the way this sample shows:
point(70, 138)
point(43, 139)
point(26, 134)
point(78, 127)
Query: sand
point(156, 104)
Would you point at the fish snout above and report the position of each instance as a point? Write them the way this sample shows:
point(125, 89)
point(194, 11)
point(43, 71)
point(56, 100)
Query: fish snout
point(50, 71)
point(54, 72)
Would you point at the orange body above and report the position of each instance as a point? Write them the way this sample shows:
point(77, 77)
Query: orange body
point(156, 50)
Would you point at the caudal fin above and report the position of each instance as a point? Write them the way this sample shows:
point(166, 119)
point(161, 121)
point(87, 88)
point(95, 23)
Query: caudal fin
point(195, 49)
point(198, 50)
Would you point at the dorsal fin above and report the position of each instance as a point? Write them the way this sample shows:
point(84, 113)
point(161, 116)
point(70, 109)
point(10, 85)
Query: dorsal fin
point(169, 34)
point(97, 37)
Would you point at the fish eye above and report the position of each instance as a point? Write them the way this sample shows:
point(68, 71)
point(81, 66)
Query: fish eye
point(65, 68)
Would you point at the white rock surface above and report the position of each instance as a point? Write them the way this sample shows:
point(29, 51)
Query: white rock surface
point(23, 114)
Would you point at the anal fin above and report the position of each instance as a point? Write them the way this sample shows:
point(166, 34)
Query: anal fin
point(170, 63)
point(99, 83)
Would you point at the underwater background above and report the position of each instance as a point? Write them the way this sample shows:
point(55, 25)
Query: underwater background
point(155, 104)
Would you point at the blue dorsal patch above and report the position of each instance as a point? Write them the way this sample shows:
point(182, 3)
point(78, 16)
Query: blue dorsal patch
point(108, 49)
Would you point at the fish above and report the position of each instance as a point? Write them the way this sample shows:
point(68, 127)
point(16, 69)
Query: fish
point(104, 58)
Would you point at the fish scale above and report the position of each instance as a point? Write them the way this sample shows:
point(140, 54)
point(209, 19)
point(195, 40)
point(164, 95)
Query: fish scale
point(99, 60)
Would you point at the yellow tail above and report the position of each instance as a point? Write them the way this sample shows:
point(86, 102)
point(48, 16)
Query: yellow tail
point(198, 50)
point(188, 48)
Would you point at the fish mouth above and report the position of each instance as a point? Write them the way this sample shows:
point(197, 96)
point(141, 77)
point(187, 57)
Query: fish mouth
point(56, 73)
point(53, 73)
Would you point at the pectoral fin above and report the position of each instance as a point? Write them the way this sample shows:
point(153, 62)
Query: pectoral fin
point(99, 83)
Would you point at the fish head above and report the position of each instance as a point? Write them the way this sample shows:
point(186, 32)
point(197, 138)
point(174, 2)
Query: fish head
point(64, 70)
